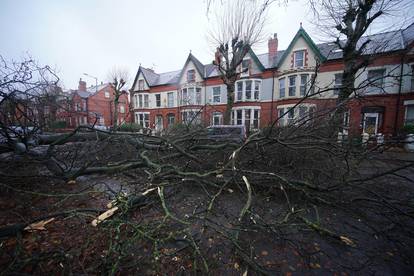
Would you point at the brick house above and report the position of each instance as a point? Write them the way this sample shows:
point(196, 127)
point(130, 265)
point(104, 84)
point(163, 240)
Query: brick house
point(96, 103)
point(277, 80)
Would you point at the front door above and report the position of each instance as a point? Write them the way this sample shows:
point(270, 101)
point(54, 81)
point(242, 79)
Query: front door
point(158, 123)
point(370, 124)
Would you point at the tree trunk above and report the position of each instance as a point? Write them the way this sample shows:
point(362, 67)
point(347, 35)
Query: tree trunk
point(116, 103)
point(230, 103)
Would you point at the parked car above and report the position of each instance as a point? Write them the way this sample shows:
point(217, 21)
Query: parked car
point(227, 132)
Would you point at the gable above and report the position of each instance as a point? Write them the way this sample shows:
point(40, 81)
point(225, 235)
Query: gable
point(190, 66)
point(255, 65)
point(138, 79)
point(301, 41)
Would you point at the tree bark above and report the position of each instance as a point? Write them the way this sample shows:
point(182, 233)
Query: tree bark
point(230, 103)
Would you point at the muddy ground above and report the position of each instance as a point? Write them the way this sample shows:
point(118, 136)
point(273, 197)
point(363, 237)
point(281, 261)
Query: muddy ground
point(197, 238)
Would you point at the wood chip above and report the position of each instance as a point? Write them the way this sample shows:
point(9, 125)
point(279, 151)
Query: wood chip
point(40, 225)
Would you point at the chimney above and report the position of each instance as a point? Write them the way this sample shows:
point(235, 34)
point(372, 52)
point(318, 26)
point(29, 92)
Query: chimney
point(217, 56)
point(272, 45)
point(82, 85)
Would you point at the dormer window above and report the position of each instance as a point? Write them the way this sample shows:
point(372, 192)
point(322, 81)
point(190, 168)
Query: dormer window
point(191, 75)
point(299, 58)
point(244, 67)
point(141, 85)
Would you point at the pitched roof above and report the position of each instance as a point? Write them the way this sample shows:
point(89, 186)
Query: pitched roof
point(93, 89)
point(380, 43)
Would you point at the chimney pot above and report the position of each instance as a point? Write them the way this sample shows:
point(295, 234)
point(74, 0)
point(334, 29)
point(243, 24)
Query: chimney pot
point(82, 85)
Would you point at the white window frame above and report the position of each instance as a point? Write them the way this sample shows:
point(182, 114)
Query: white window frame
point(169, 116)
point(242, 111)
point(216, 94)
point(376, 84)
point(121, 108)
point(303, 84)
point(282, 81)
point(254, 94)
point(140, 101)
point(295, 59)
point(140, 118)
point(158, 103)
point(170, 99)
point(107, 94)
point(337, 83)
point(146, 100)
point(294, 114)
point(409, 104)
point(193, 74)
point(292, 77)
point(141, 84)
point(192, 96)
point(191, 115)
point(216, 118)
point(242, 67)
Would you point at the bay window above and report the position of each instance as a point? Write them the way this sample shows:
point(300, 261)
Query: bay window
point(191, 96)
point(247, 116)
point(288, 115)
point(191, 117)
point(142, 118)
point(304, 84)
point(248, 90)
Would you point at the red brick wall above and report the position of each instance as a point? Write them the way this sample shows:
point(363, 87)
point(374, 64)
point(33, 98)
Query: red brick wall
point(97, 103)
point(389, 102)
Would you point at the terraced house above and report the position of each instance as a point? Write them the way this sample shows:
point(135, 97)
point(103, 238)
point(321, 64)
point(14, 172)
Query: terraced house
point(270, 84)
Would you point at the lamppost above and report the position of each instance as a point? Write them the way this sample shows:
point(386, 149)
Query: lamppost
point(96, 80)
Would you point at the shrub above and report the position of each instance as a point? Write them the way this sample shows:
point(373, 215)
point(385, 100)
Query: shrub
point(408, 129)
point(57, 124)
point(130, 127)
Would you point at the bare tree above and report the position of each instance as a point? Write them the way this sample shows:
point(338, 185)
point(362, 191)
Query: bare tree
point(24, 88)
point(238, 27)
point(118, 78)
point(348, 21)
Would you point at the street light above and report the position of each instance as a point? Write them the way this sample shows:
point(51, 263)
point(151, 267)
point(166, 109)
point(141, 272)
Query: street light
point(96, 80)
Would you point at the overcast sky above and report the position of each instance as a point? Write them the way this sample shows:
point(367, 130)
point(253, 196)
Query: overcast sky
point(92, 36)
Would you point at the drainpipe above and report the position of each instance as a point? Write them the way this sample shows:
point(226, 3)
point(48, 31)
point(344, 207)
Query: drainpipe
point(273, 94)
point(397, 105)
